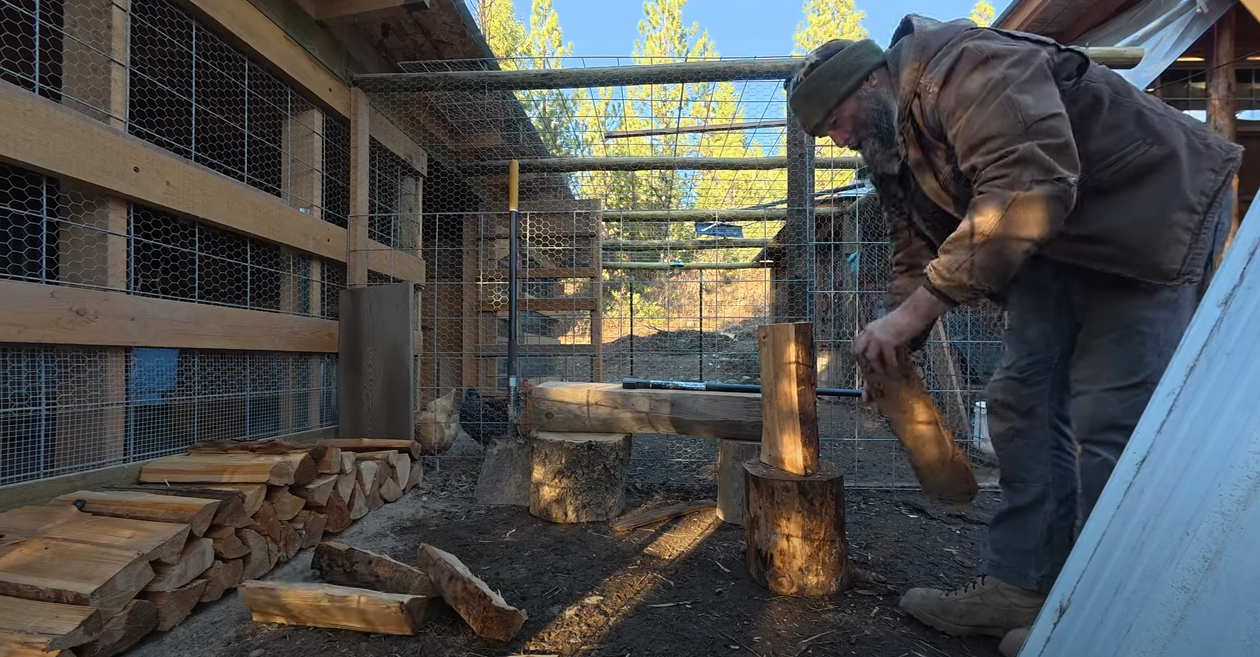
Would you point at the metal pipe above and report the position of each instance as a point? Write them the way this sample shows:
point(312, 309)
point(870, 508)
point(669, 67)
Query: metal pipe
point(634, 383)
point(513, 223)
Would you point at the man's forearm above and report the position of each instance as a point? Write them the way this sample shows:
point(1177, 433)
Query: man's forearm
point(922, 308)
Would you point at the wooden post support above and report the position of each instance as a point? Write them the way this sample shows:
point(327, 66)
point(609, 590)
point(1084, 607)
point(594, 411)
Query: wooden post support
point(730, 478)
point(794, 536)
point(360, 181)
point(578, 477)
point(789, 439)
point(1221, 93)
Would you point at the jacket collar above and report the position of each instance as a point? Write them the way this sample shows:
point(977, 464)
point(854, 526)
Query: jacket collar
point(914, 43)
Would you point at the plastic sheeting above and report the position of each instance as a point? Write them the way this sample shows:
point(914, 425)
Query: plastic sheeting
point(1166, 565)
point(1164, 28)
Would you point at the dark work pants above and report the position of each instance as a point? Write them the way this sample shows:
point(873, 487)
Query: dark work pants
point(1082, 354)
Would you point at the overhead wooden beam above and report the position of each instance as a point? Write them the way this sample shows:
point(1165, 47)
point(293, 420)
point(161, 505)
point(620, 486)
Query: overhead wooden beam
point(327, 10)
point(46, 137)
point(685, 245)
point(685, 266)
point(778, 68)
point(575, 164)
point(680, 216)
point(396, 140)
point(691, 129)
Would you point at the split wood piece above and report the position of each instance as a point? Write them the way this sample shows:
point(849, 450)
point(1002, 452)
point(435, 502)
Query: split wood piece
point(397, 464)
point(256, 447)
point(72, 573)
point(221, 577)
point(789, 434)
point(195, 512)
point(273, 553)
point(257, 562)
point(730, 478)
point(578, 477)
point(504, 477)
point(175, 605)
point(255, 494)
point(290, 542)
point(609, 408)
point(275, 469)
point(794, 532)
point(341, 564)
point(347, 462)
point(8, 649)
point(411, 447)
point(317, 491)
point(334, 607)
point(390, 492)
point(157, 541)
point(227, 545)
point(196, 558)
point(310, 526)
point(330, 461)
point(47, 625)
point(232, 511)
point(123, 630)
point(267, 523)
point(485, 611)
point(358, 503)
point(345, 482)
point(939, 465)
point(646, 517)
point(336, 510)
point(286, 504)
point(416, 476)
point(371, 476)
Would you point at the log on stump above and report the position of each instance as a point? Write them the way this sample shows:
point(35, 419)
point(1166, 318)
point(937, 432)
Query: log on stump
point(257, 562)
point(197, 557)
point(227, 545)
point(197, 513)
point(123, 630)
point(789, 435)
point(72, 573)
point(175, 605)
point(47, 625)
point(578, 477)
point(221, 577)
point(343, 565)
point(160, 541)
point(286, 504)
point(317, 491)
point(337, 512)
point(485, 611)
point(794, 532)
point(335, 607)
point(504, 477)
point(730, 478)
point(939, 465)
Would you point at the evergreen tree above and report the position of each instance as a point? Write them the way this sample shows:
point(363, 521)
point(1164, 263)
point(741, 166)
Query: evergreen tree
point(826, 20)
point(982, 13)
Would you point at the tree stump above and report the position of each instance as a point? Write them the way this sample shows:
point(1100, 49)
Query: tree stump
point(579, 477)
point(730, 478)
point(794, 531)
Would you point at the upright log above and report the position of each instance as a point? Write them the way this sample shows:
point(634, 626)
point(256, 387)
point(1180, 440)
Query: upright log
point(578, 477)
point(794, 537)
point(730, 478)
point(789, 438)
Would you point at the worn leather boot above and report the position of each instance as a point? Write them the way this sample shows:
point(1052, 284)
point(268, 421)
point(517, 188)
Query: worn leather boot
point(985, 605)
point(1013, 642)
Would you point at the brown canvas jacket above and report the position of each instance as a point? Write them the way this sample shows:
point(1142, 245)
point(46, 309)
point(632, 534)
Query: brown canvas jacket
point(1015, 145)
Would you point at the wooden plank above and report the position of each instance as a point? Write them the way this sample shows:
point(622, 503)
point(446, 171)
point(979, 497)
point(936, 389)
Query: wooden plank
point(485, 611)
point(78, 316)
point(161, 541)
point(397, 141)
point(376, 362)
point(356, 445)
point(284, 502)
point(72, 573)
point(275, 469)
point(360, 184)
point(174, 606)
point(253, 495)
point(194, 512)
point(40, 491)
point(334, 607)
point(343, 565)
point(609, 408)
point(195, 559)
point(47, 625)
point(221, 577)
point(227, 545)
point(317, 491)
point(789, 437)
point(123, 630)
point(642, 518)
point(231, 512)
point(327, 10)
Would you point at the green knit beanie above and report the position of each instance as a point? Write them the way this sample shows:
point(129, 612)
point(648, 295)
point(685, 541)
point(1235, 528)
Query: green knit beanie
point(814, 95)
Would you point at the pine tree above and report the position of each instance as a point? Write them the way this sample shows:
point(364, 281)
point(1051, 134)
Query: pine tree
point(982, 13)
point(504, 34)
point(826, 20)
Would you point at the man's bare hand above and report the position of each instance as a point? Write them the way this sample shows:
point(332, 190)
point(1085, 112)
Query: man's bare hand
point(877, 345)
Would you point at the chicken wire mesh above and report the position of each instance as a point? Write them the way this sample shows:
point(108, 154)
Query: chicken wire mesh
point(660, 225)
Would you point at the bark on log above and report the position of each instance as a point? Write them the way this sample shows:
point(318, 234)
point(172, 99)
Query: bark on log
point(730, 478)
point(341, 564)
point(578, 477)
point(484, 610)
point(335, 607)
point(794, 537)
point(254, 494)
point(646, 517)
point(221, 577)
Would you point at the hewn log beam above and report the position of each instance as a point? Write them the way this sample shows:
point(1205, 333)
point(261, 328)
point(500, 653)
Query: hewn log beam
point(575, 164)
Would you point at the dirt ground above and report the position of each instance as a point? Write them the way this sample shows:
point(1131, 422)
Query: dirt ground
point(672, 589)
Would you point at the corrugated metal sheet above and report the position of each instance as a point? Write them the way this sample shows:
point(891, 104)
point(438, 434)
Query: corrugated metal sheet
point(1169, 563)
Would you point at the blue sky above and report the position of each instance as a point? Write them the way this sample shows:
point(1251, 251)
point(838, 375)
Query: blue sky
point(738, 28)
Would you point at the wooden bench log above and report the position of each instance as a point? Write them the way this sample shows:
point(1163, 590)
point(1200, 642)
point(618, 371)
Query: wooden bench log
point(609, 408)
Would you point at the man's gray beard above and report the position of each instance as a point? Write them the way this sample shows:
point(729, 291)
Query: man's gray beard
point(878, 143)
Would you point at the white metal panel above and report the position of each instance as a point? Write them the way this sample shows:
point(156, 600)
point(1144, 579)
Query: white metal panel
point(1163, 28)
point(1169, 563)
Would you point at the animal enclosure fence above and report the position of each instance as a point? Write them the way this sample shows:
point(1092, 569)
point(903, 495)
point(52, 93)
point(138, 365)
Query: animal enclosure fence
point(661, 223)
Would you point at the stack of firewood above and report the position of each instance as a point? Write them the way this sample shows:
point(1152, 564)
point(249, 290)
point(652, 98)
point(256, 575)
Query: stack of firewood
point(93, 572)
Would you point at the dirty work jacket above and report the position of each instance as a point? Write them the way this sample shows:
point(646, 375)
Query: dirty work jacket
point(1013, 144)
